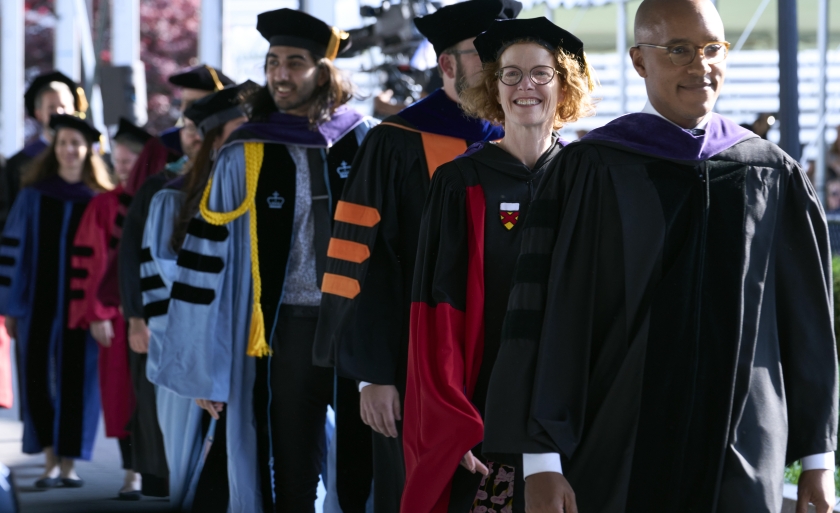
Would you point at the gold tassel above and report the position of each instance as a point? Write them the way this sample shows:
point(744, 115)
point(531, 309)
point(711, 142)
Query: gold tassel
point(257, 345)
point(82, 107)
point(216, 82)
point(589, 72)
point(336, 38)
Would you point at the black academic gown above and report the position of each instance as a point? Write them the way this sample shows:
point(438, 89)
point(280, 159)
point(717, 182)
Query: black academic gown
point(670, 327)
point(10, 175)
point(147, 439)
point(365, 337)
point(469, 240)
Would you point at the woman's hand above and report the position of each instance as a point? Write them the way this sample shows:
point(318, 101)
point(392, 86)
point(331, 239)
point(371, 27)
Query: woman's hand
point(212, 407)
point(102, 332)
point(473, 464)
point(11, 327)
point(138, 335)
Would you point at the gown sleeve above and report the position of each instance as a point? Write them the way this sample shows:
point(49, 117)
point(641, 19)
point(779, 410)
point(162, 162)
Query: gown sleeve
point(130, 247)
point(805, 320)
point(440, 370)
point(211, 296)
point(157, 272)
point(362, 333)
point(17, 255)
point(88, 264)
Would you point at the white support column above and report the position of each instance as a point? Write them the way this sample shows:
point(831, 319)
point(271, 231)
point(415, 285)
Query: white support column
point(67, 50)
point(11, 67)
point(621, 50)
point(125, 42)
point(210, 33)
point(822, 110)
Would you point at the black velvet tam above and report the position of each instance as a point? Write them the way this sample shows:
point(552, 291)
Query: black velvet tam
point(502, 33)
point(219, 107)
point(41, 81)
point(450, 25)
point(202, 77)
point(131, 132)
point(65, 121)
point(289, 27)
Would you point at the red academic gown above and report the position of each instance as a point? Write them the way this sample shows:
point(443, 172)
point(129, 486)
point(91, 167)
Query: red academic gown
point(91, 249)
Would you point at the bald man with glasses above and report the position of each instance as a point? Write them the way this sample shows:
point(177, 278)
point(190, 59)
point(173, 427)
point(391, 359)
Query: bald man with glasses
point(668, 344)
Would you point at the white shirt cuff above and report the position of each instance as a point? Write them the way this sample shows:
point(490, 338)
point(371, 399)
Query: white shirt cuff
point(363, 384)
point(536, 463)
point(818, 461)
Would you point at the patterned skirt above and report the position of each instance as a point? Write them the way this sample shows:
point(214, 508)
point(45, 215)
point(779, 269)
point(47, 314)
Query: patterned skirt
point(495, 494)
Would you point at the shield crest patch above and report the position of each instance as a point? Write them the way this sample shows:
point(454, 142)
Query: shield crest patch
point(509, 214)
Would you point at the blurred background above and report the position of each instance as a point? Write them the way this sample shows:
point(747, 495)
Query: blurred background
point(122, 51)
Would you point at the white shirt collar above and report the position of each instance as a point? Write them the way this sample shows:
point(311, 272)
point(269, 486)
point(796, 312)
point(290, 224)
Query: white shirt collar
point(650, 110)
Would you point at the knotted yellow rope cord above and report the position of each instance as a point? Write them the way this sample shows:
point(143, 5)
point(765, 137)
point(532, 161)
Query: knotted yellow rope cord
point(257, 345)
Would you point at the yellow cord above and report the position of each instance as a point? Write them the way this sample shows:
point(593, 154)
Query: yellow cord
point(257, 345)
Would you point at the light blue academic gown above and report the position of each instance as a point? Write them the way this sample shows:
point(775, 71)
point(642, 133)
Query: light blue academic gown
point(179, 417)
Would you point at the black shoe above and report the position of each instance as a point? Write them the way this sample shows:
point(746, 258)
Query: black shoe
point(47, 482)
point(133, 495)
point(72, 483)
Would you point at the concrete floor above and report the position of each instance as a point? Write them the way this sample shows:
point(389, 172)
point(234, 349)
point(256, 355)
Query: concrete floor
point(103, 475)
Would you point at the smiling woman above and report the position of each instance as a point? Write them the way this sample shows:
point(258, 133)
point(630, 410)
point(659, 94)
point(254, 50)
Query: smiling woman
point(562, 65)
point(535, 79)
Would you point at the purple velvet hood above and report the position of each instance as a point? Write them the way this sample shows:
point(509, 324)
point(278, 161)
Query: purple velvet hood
point(287, 129)
point(653, 135)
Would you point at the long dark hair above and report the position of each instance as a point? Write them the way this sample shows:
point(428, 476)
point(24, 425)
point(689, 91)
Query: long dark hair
point(94, 171)
point(336, 91)
point(195, 182)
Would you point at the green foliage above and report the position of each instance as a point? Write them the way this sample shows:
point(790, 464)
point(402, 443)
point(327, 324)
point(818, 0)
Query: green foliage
point(793, 472)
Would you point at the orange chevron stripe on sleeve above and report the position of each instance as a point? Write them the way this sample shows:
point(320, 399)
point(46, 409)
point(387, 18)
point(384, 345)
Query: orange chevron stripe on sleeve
point(348, 250)
point(340, 285)
point(354, 213)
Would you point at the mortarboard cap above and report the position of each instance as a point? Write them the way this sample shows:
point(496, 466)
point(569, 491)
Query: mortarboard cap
point(288, 27)
point(450, 25)
point(66, 121)
point(41, 81)
point(129, 131)
point(502, 33)
point(202, 77)
point(218, 108)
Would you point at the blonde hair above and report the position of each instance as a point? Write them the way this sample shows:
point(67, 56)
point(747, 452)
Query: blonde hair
point(94, 171)
point(480, 100)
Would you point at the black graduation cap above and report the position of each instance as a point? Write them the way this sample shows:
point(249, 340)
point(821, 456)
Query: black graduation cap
point(203, 77)
point(129, 131)
point(450, 25)
point(218, 108)
point(288, 27)
point(66, 121)
point(501, 33)
point(43, 80)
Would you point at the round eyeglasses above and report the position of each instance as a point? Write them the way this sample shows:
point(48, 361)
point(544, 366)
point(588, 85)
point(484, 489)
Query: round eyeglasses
point(684, 54)
point(540, 75)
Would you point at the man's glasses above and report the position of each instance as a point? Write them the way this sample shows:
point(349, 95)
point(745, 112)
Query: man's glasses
point(540, 75)
point(684, 54)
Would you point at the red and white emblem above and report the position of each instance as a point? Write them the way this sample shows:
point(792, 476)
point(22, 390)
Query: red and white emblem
point(509, 214)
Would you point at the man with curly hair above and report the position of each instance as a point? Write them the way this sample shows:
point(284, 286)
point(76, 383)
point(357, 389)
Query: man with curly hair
point(244, 299)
